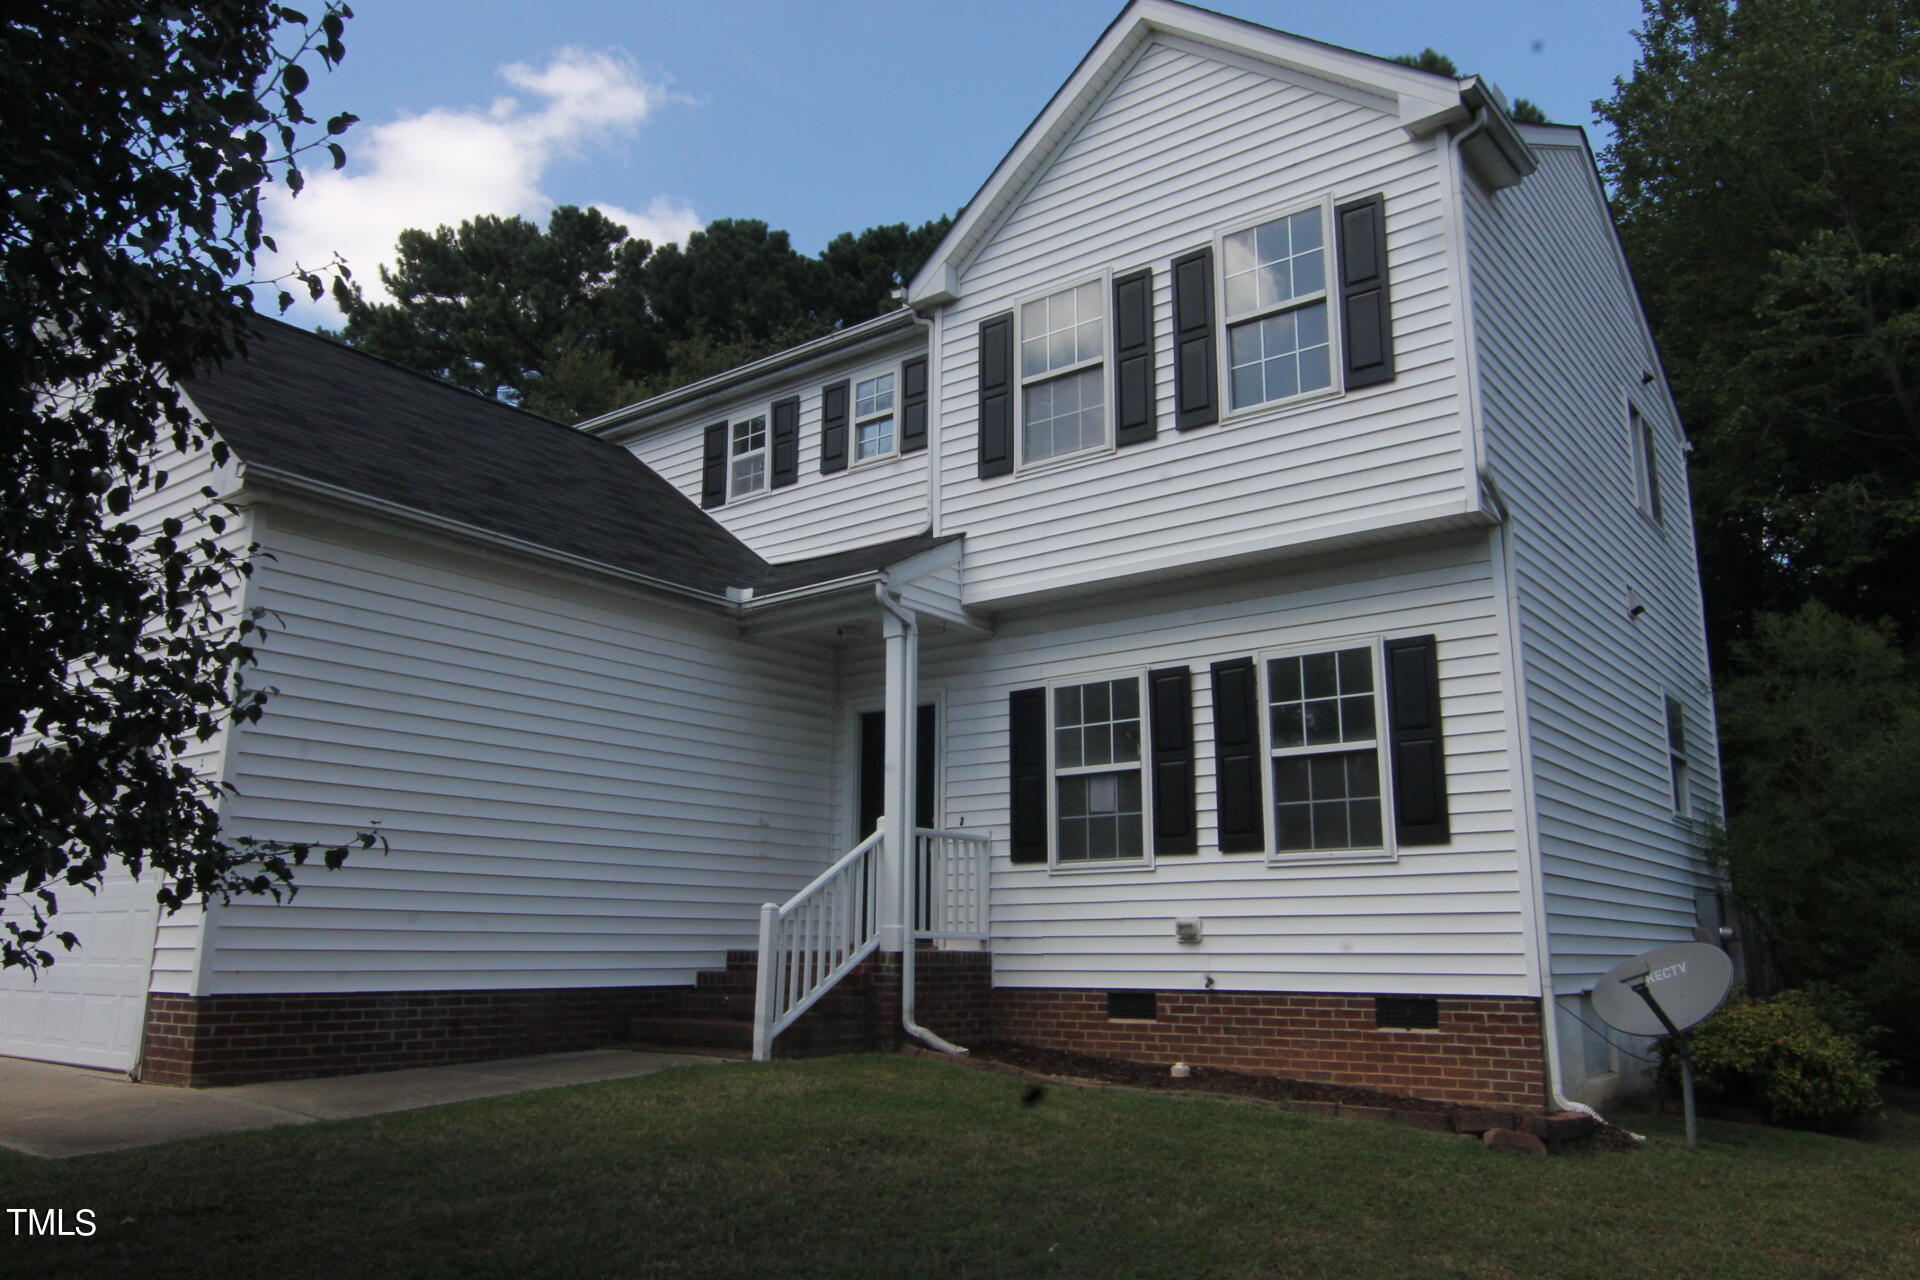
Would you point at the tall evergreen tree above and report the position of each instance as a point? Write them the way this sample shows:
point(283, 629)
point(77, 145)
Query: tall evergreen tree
point(1766, 174)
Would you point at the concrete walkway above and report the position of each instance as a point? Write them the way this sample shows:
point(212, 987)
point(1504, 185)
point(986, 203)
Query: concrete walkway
point(48, 1110)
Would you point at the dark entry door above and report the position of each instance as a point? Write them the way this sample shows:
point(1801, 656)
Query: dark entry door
point(873, 768)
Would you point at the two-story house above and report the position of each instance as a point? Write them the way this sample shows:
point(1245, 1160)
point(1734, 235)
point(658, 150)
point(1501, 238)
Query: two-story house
point(1241, 608)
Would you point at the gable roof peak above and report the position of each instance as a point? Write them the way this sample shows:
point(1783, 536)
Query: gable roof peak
point(1425, 100)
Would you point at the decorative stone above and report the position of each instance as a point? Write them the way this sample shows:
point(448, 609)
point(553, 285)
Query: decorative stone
point(1351, 1112)
point(1513, 1140)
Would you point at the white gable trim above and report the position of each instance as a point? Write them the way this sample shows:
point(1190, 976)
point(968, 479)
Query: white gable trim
point(1424, 101)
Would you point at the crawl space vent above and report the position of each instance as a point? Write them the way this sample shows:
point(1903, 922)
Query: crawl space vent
point(1406, 1013)
point(1132, 1004)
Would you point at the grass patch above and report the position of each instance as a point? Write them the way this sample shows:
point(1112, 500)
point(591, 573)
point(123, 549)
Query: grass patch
point(878, 1166)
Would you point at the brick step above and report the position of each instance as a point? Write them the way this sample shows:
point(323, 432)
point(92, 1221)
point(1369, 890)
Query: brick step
point(748, 960)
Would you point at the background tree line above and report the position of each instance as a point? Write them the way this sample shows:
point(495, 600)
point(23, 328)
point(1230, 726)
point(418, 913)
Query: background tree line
point(577, 318)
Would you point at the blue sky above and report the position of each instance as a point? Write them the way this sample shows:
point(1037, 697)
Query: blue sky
point(816, 117)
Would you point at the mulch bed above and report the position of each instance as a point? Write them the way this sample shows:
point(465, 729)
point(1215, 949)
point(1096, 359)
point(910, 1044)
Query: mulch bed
point(1348, 1100)
point(1147, 1075)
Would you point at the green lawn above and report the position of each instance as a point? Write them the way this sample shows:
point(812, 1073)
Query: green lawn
point(874, 1166)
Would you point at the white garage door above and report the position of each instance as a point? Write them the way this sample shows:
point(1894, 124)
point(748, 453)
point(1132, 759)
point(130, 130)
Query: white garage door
point(89, 1007)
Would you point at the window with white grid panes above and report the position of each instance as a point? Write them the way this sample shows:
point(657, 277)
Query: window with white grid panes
point(1063, 344)
point(1324, 749)
point(1274, 297)
point(873, 419)
point(747, 466)
point(1098, 802)
point(1680, 772)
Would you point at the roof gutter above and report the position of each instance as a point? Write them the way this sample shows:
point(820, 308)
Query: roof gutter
point(255, 475)
point(621, 423)
point(1492, 145)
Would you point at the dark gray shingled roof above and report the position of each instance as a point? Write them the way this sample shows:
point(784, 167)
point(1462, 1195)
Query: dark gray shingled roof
point(844, 564)
point(310, 408)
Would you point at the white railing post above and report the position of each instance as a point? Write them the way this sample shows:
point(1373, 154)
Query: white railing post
point(763, 985)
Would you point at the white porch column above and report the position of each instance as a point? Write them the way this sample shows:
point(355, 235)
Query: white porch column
point(903, 659)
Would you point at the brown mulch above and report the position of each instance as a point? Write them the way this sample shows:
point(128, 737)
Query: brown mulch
point(1147, 1075)
point(1084, 1067)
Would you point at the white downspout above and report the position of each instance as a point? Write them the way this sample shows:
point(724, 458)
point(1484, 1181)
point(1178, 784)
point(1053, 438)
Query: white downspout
point(900, 821)
point(1525, 823)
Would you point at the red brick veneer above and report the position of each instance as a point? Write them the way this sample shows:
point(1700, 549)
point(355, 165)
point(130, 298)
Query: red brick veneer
point(1485, 1050)
point(235, 1039)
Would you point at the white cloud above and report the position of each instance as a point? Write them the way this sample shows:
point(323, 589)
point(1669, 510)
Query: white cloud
point(666, 220)
point(448, 165)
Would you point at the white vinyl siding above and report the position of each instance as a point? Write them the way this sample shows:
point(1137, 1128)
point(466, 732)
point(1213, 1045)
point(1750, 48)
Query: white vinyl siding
point(871, 501)
point(580, 787)
point(1561, 349)
point(1189, 144)
point(1443, 920)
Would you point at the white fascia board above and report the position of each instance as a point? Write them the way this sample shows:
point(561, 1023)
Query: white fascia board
point(1421, 96)
point(300, 493)
point(920, 564)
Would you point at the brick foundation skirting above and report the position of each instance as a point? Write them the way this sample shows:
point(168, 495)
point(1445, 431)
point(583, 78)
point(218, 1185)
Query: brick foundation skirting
point(238, 1039)
point(1485, 1051)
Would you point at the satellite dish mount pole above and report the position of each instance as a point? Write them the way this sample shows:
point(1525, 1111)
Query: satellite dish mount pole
point(1684, 1050)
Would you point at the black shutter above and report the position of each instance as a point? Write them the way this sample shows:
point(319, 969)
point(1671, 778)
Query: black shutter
point(1133, 391)
point(913, 405)
point(1170, 695)
point(996, 397)
point(713, 467)
point(1419, 762)
point(833, 428)
point(1196, 389)
point(1027, 791)
point(786, 442)
point(1236, 756)
point(1366, 322)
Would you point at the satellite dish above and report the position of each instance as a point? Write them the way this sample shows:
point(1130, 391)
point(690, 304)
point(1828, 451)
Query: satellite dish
point(1664, 992)
point(1667, 992)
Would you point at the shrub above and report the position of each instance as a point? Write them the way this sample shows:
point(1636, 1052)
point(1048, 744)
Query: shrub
point(1793, 1058)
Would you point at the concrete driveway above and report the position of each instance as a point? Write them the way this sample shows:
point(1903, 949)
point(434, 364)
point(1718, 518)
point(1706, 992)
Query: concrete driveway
point(48, 1110)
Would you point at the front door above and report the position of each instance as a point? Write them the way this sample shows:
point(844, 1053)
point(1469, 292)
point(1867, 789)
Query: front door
point(873, 769)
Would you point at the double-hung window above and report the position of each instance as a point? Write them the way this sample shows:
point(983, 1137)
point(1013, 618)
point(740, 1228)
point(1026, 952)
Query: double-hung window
point(874, 435)
point(1646, 463)
point(1063, 344)
point(1098, 784)
point(747, 457)
point(1680, 772)
point(1325, 751)
point(1274, 300)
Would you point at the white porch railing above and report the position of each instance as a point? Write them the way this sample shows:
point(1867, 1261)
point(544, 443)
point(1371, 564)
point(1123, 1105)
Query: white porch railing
point(815, 940)
point(950, 884)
